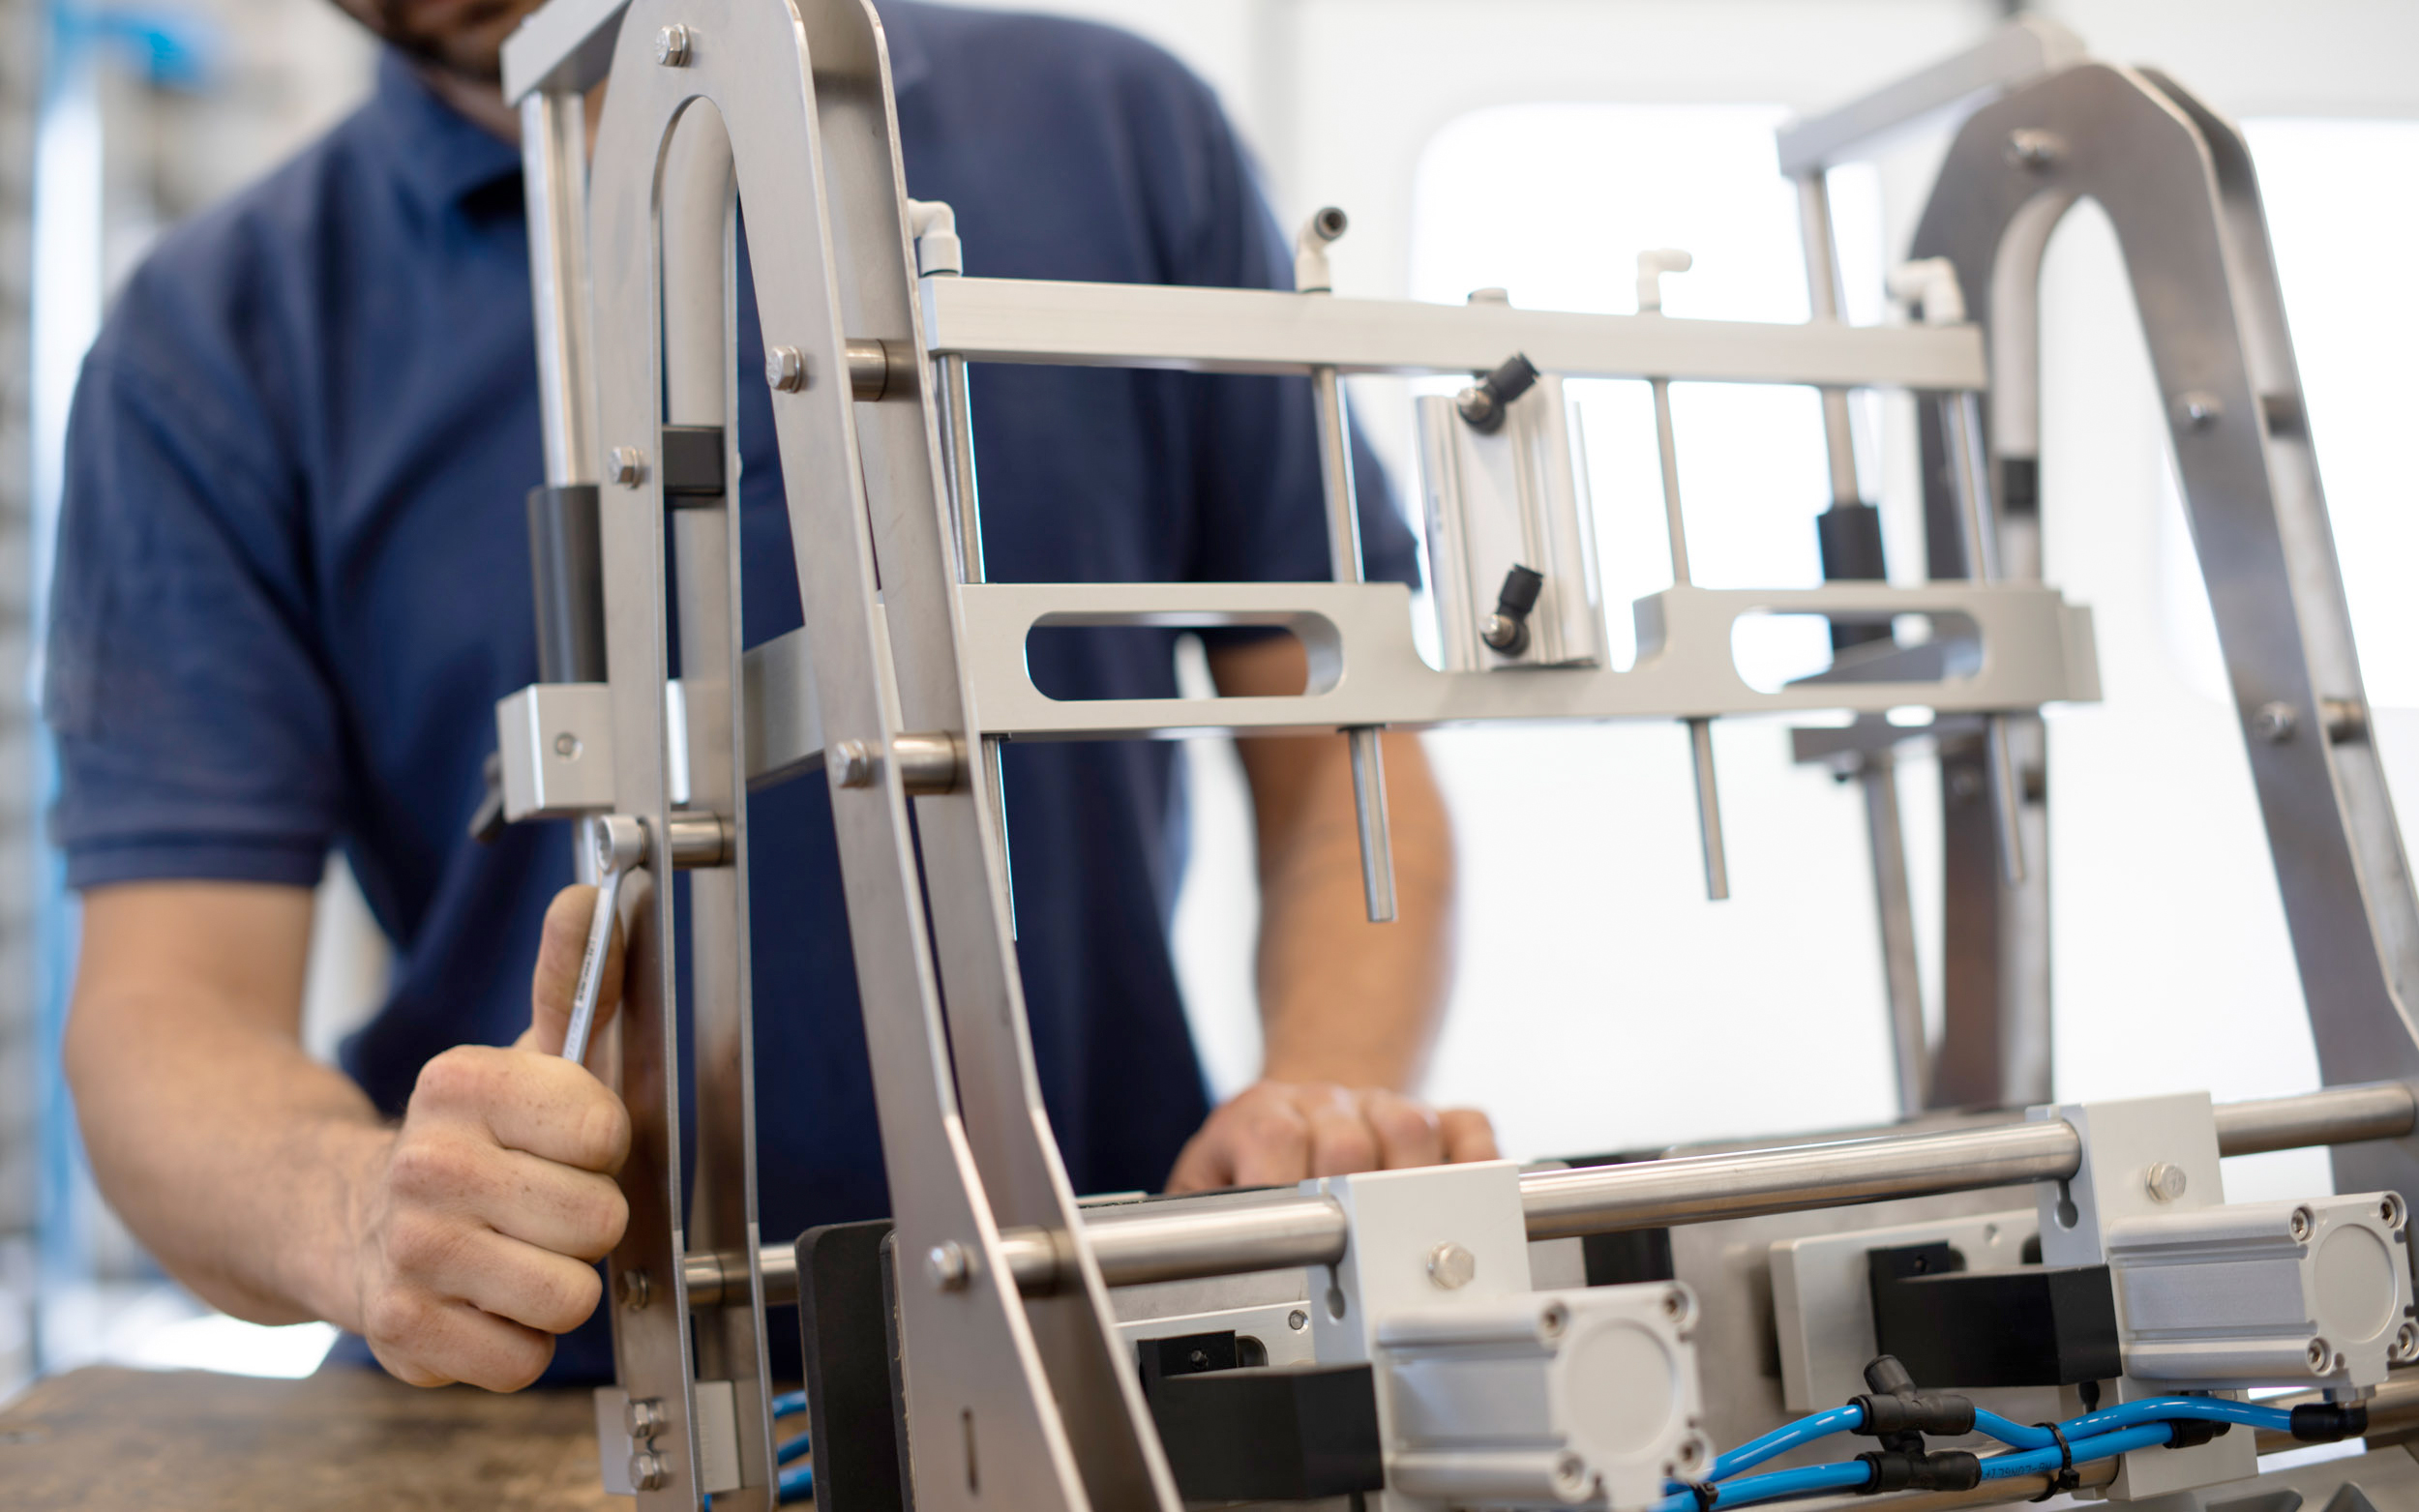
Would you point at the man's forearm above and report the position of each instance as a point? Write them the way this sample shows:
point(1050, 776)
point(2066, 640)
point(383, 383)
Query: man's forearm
point(1343, 999)
point(231, 1153)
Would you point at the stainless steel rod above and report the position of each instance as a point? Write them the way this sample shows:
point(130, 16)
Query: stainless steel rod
point(1901, 976)
point(1171, 1241)
point(1969, 476)
point(1368, 757)
point(555, 170)
point(1709, 810)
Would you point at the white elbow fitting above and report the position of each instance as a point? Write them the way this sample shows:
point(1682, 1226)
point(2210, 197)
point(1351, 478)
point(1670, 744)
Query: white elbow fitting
point(1929, 286)
point(1310, 250)
point(938, 249)
point(1651, 266)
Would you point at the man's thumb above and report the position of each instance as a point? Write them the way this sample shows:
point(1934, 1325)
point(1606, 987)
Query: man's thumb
point(562, 942)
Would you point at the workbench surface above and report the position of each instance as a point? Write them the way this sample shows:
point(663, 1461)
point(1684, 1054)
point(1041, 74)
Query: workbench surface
point(129, 1440)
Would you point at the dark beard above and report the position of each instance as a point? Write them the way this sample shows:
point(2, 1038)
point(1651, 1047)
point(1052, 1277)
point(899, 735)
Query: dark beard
point(472, 60)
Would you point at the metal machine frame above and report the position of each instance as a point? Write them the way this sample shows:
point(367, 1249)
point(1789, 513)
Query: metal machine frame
point(1018, 1387)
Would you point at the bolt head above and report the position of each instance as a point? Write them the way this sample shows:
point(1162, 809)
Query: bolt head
point(2199, 409)
point(785, 368)
point(635, 1290)
point(1298, 1319)
point(2320, 1353)
point(643, 1417)
point(852, 763)
point(2166, 1180)
point(1451, 1266)
point(671, 47)
point(567, 746)
point(2034, 149)
point(949, 1266)
point(626, 465)
point(649, 1471)
point(2274, 723)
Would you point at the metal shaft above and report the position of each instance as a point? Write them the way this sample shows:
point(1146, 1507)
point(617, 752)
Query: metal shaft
point(1893, 898)
point(1709, 803)
point(1962, 422)
point(555, 172)
point(1147, 1243)
point(1368, 757)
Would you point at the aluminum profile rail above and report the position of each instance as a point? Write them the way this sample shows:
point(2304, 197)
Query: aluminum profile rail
point(1219, 330)
point(1149, 1242)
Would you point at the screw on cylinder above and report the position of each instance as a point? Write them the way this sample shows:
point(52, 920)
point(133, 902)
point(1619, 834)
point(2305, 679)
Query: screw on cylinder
point(2299, 1224)
point(2319, 1354)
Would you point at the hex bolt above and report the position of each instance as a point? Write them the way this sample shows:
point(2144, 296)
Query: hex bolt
point(785, 368)
point(947, 1267)
point(671, 47)
point(2274, 723)
point(2166, 1180)
point(626, 465)
point(635, 1290)
point(2033, 149)
point(648, 1470)
point(643, 1417)
point(852, 763)
point(2199, 409)
point(1451, 1266)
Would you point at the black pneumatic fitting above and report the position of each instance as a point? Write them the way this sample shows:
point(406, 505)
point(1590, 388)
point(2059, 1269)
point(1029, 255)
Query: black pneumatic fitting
point(2330, 1422)
point(1944, 1470)
point(1484, 402)
point(1897, 1415)
point(2190, 1433)
point(1507, 629)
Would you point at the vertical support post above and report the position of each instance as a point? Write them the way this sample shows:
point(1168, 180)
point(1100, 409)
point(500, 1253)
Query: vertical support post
point(1894, 901)
point(699, 316)
point(955, 398)
point(554, 175)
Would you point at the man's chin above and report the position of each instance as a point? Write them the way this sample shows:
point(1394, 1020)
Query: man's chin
point(465, 38)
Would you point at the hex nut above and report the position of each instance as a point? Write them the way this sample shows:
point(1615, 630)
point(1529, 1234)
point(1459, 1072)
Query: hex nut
point(671, 47)
point(2274, 723)
point(635, 1290)
point(643, 1417)
point(948, 1266)
point(2167, 1181)
point(785, 368)
point(1451, 1266)
point(2034, 149)
point(626, 465)
point(2198, 409)
point(648, 1470)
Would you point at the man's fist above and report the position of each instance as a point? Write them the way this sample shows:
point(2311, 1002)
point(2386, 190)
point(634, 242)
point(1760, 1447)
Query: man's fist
point(1278, 1132)
point(476, 1238)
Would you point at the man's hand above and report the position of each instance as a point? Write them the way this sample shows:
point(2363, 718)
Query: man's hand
point(1278, 1132)
point(478, 1231)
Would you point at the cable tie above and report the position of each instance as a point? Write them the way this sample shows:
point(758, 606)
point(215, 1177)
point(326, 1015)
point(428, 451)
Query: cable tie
point(2065, 1480)
point(1707, 1493)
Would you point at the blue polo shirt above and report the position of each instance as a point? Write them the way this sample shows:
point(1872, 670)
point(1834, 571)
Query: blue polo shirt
point(293, 576)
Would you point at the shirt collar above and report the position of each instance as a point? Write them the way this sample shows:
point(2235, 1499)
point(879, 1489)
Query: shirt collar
point(443, 155)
